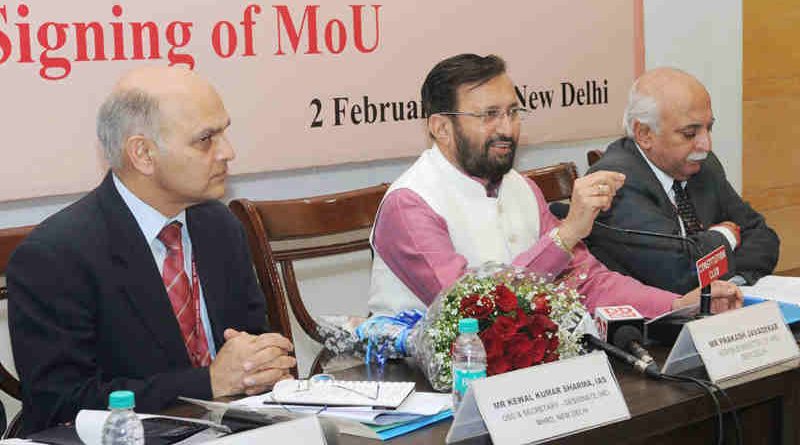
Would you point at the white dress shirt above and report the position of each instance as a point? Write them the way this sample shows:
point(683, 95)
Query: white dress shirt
point(150, 222)
point(666, 182)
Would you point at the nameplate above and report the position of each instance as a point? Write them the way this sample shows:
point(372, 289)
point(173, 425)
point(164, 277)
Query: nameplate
point(549, 401)
point(735, 342)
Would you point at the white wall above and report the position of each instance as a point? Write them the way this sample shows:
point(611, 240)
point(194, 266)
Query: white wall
point(703, 38)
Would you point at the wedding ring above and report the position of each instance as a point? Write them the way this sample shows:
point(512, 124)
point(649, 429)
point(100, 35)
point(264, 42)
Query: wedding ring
point(602, 189)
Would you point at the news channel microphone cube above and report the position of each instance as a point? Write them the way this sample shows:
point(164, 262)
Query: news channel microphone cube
point(609, 318)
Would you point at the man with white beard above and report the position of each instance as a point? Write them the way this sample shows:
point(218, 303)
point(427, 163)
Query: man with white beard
point(675, 185)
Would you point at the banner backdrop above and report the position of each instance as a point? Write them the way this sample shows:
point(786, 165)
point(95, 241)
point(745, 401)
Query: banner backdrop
point(305, 84)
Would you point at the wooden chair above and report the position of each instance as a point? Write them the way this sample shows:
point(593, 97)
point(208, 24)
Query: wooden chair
point(556, 181)
point(282, 232)
point(9, 240)
point(593, 156)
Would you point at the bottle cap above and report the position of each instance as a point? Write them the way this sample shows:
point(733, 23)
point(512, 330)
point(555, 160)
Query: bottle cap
point(468, 326)
point(121, 400)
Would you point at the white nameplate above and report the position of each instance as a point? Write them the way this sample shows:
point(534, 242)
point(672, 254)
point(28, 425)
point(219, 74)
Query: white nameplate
point(744, 340)
point(549, 401)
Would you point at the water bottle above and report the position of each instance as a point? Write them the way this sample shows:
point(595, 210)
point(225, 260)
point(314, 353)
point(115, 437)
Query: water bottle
point(469, 359)
point(122, 426)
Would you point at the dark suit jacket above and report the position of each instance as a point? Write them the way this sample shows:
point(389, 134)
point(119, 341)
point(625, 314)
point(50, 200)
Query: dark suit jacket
point(89, 314)
point(642, 204)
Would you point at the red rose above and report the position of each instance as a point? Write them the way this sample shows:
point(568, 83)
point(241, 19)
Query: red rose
point(522, 319)
point(505, 327)
point(498, 366)
point(520, 351)
point(551, 357)
point(554, 342)
point(538, 349)
point(538, 324)
point(476, 306)
point(540, 305)
point(505, 299)
point(492, 344)
point(468, 302)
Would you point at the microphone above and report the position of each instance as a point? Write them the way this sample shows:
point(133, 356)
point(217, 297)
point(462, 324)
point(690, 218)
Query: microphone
point(647, 368)
point(622, 326)
point(630, 339)
point(705, 292)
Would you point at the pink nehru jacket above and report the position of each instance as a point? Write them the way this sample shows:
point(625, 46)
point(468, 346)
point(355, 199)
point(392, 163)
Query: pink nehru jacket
point(415, 244)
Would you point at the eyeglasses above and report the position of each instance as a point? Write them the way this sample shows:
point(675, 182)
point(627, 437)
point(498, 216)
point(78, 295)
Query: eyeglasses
point(492, 116)
point(369, 390)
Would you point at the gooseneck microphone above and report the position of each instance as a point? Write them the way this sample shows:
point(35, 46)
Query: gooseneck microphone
point(647, 368)
point(705, 292)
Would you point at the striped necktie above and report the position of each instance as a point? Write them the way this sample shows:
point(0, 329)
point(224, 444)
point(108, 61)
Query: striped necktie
point(185, 299)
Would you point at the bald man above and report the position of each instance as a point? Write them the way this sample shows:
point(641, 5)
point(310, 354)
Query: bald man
point(675, 185)
point(146, 283)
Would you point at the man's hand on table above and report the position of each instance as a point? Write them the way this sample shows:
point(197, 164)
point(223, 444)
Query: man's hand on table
point(724, 296)
point(250, 364)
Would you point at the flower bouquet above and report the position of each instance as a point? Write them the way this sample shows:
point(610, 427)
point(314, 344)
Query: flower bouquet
point(523, 319)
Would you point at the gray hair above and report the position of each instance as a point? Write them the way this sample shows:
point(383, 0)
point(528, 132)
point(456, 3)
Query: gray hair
point(124, 114)
point(641, 108)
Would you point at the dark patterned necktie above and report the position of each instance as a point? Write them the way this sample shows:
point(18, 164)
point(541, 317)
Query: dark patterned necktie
point(686, 209)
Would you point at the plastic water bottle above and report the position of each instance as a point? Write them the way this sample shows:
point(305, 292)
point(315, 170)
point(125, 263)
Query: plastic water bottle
point(122, 426)
point(469, 359)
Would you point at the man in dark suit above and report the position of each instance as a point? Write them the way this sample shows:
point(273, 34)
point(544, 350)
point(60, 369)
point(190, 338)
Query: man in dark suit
point(146, 283)
point(674, 184)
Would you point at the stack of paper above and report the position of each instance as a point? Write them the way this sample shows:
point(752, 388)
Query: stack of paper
point(419, 409)
point(784, 290)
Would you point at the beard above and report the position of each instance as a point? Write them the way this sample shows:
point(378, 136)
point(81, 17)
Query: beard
point(475, 160)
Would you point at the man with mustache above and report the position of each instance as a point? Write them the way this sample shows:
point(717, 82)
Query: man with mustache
point(461, 204)
point(674, 184)
point(146, 283)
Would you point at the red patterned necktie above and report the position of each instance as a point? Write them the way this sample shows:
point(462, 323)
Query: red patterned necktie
point(686, 209)
point(185, 299)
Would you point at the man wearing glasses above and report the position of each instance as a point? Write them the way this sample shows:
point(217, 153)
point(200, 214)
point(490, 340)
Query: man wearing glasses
point(462, 204)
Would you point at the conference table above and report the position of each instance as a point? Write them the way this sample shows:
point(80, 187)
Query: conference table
point(767, 404)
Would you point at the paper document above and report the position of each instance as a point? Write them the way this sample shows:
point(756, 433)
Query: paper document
point(342, 393)
point(773, 287)
point(417, 404)
point(89, 424)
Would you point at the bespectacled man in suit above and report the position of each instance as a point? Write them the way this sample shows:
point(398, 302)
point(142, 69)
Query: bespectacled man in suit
point(146, 283)
point(676, 185)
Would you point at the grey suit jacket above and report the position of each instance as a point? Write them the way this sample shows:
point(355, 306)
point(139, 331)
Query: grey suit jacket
point(642, 204)
point(89, 314)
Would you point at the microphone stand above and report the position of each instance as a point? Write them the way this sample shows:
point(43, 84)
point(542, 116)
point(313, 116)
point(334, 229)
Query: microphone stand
point(671, 327)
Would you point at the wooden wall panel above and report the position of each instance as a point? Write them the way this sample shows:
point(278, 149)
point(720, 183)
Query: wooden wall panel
point(770, 115)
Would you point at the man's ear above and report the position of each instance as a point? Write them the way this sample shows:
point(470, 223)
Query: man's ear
point(139, 152)
point(441, 129)
point(643, 135)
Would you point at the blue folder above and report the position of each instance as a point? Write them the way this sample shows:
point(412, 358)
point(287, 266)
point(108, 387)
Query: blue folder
point(791, 312)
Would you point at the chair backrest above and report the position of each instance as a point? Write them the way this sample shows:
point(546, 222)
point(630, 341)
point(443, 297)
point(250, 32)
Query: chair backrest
point(555, 181)
point(9, 240)
point(281, 232)
point(593, 156)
